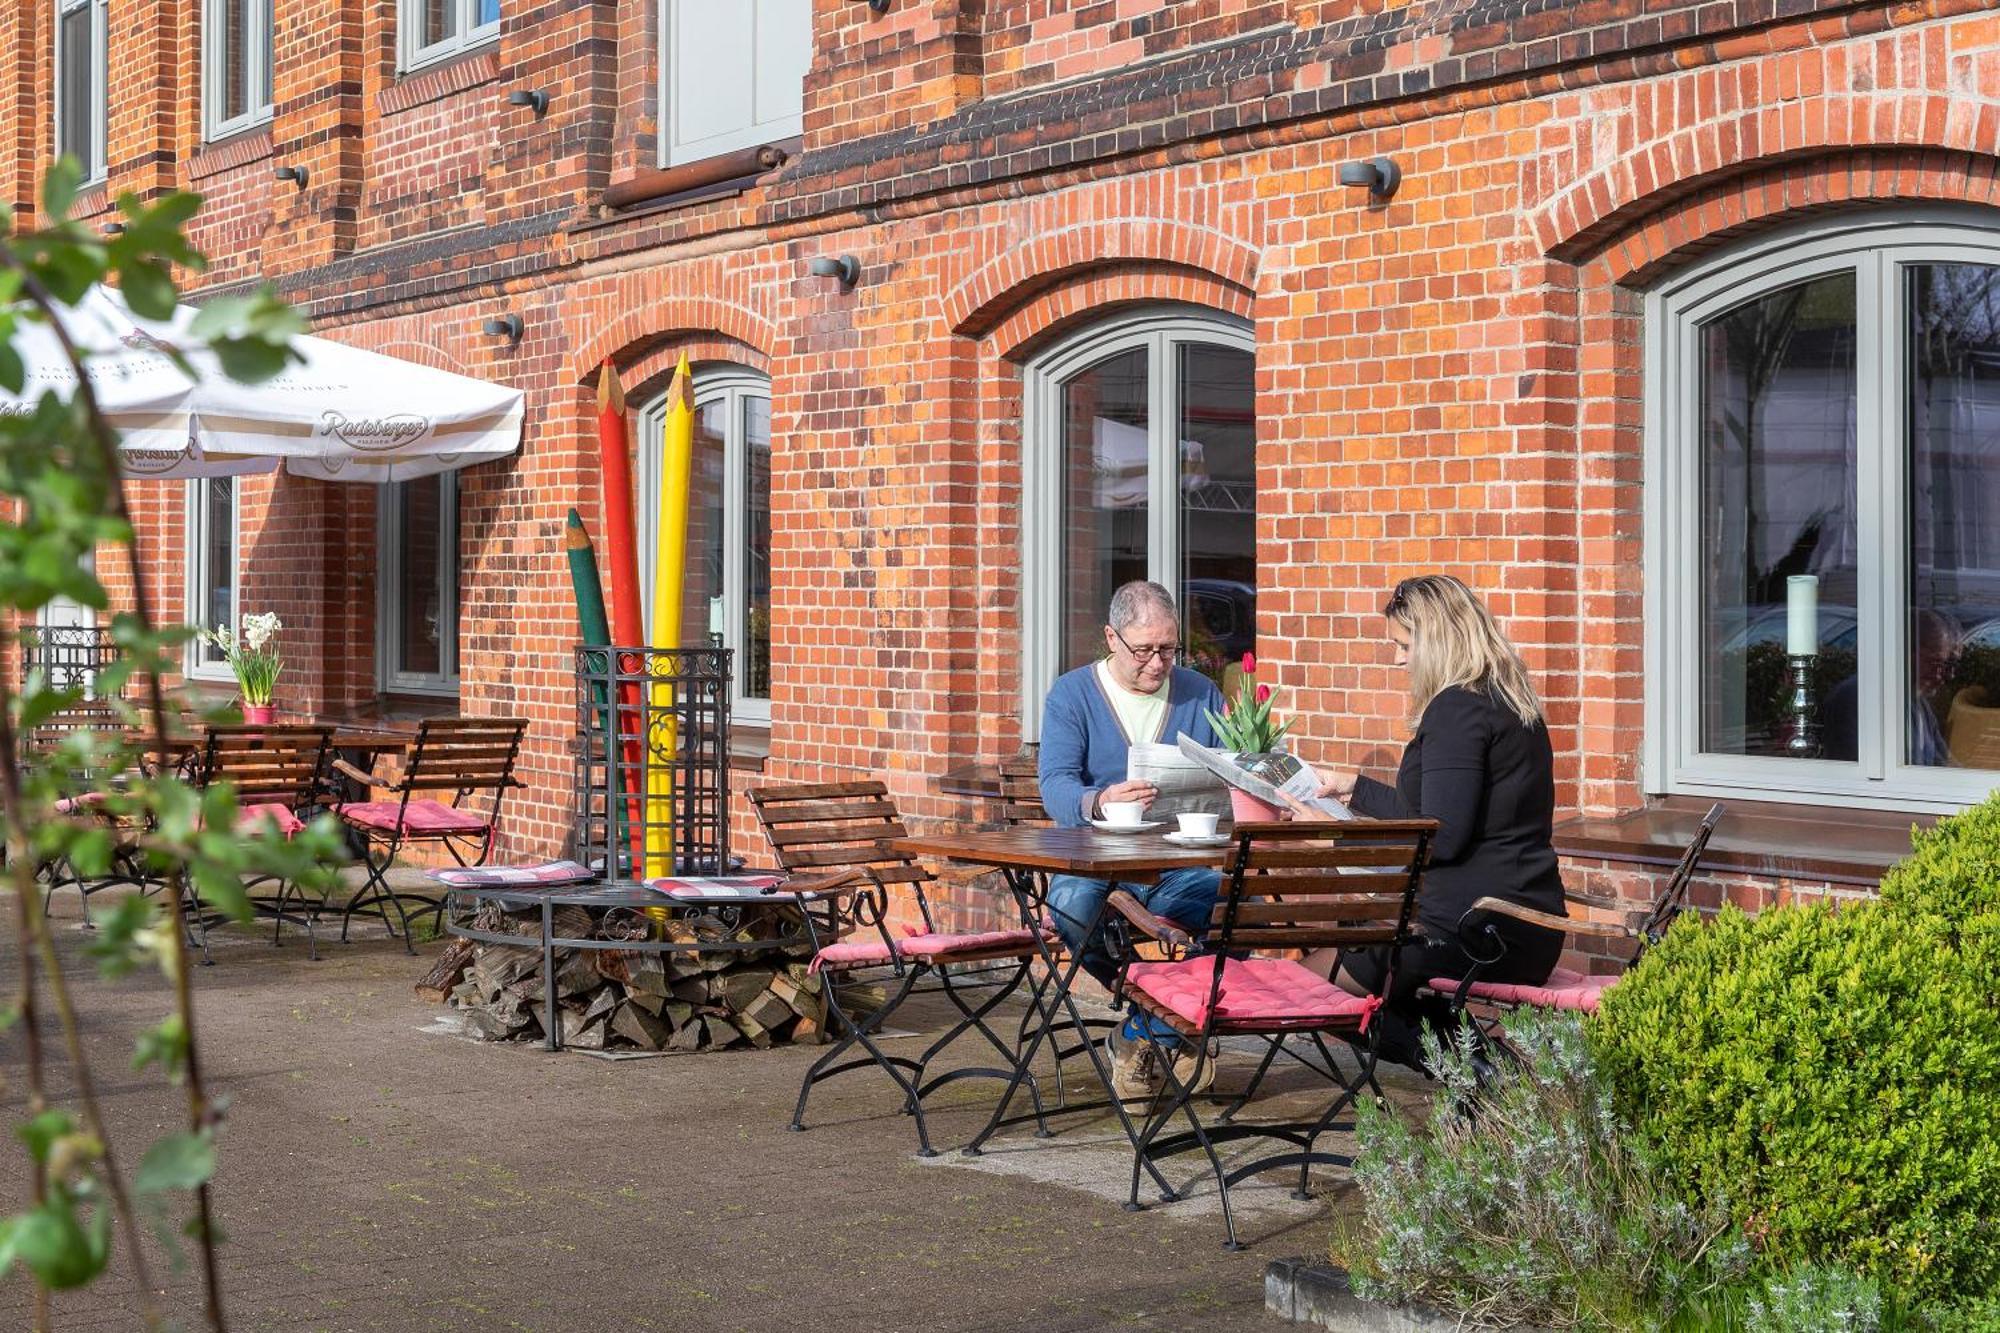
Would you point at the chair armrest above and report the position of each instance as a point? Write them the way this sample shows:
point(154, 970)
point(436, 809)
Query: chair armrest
point(1158, 928)
point(836, 884)
point(347, 770)
point(1571, 925)
point(1598, 901)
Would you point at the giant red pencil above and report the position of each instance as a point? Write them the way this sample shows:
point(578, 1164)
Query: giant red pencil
point(621, 572)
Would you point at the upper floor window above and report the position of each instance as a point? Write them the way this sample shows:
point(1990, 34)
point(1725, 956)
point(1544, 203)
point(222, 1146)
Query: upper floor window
point(80, 100)
point(1139, 462)
point(1823, 482)
point(731, 75)
point(214, 595)
point(236, 65)
point(418, 523)
point(432, 30)
point(726, 594)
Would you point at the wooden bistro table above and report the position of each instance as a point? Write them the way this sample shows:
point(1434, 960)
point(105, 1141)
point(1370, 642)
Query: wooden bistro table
point(1024, 856)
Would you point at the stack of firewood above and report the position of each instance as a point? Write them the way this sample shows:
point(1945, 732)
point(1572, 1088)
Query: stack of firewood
point(617, 999)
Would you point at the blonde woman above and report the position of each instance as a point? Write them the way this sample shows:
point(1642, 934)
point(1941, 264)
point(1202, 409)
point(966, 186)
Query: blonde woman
point(1479, 763)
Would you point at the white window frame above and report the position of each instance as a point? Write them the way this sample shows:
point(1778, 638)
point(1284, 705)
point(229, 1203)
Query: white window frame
point(1161, 331)
point(749, 136)
point(389, 586)
point(411, 54)
point(196, 563)
point(1875, 248)
point(96, 168)
point(714, 382)
point(214, 68)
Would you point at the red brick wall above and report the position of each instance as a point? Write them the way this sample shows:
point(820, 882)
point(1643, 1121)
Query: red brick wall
point(1446, 380)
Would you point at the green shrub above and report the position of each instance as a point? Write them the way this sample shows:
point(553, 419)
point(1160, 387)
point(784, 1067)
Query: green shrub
point(1836, 1076)
point(1541, 1207)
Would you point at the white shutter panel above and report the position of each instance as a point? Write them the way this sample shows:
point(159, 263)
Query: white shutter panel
point(734, 74)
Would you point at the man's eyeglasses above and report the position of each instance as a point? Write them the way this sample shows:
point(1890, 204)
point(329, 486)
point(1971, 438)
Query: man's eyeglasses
point(1166, 654)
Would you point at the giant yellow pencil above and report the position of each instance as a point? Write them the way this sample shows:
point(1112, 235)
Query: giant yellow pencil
point(669, 573)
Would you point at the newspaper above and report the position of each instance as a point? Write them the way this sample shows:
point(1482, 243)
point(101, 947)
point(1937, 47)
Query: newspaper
point(1278, 776)
point(1185, 786)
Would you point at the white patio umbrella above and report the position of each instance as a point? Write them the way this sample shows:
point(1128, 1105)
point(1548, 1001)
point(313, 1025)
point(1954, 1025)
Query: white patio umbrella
point(340, 414)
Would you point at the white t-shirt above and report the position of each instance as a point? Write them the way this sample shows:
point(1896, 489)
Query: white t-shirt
point(1141, 715)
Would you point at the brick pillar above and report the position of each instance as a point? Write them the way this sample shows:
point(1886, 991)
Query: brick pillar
point(881, 73)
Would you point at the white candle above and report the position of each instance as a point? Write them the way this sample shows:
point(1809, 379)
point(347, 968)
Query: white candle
point(715, 616)
point(1802, 615)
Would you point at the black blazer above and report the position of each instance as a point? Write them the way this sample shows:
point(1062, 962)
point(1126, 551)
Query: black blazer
point(1489, 782)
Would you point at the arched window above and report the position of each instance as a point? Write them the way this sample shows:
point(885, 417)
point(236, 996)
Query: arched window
point(1139, 461)
point(727, 596)
point(1823, 516)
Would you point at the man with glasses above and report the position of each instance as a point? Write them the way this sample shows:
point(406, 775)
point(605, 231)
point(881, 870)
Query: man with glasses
point(1093, 717)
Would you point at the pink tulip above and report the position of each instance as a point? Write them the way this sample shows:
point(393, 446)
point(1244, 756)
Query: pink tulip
point(1249, 664)
point(1263, 694)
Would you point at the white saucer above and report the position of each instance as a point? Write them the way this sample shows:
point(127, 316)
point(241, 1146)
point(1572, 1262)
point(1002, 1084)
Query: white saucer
point(1180, 839)
point(1143, 826)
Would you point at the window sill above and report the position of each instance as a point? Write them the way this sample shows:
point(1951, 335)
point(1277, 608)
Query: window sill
point(749, 747)
point(1836, 844)
point(429, 83)
point(237, 150)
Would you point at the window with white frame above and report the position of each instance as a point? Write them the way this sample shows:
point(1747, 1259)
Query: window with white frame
point(431, 30)
point(726, 590)
point(214, 594)
point(732, 76)
point(1823, 516)
point(1139, 462)
point(80, 95)
point(418, 585)
point(236, 65)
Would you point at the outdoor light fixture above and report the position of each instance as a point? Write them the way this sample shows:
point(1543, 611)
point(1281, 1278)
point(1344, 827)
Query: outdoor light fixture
point(1380, 174)
point(847, 268)
point(292, 174)
point(507, 326)
point(533, 97)
point(879, 6)
point(114, 229)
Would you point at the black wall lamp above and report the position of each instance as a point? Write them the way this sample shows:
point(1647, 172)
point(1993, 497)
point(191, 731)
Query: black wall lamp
point(847, 268)
point(505, 326)
point(879, 6)
point(533, 97)
point(1380, 174)
point(114, 229)
point(292, 174)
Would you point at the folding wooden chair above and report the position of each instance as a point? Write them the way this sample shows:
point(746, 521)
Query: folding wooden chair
point(1021, 790)
point(461, 758)
point(280, 775)
point(1564, 989)
point(87, 790)
point(1290, 886)
point(846, 825)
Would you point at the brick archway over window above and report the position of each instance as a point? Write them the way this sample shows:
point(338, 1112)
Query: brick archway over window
point(652, 319)
point(1054, 311)
point(976, 304)
point(1728, 175)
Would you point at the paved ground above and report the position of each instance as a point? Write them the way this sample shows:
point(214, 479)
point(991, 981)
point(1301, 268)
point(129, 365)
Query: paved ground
point(380, 1171)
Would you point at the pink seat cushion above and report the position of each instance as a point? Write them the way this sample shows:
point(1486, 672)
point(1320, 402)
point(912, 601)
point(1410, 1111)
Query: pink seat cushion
point(853, 953)
point(1563, 990)
point(417, 816)
point(1257, 993)
point(70, 805)
point(252, 816)
point(936, 947)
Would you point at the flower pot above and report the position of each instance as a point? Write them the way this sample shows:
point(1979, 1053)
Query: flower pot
point(1247, 809)
point(260, 715)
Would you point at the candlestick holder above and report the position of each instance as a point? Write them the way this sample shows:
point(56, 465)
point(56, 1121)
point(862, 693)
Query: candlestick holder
point(1803, 743)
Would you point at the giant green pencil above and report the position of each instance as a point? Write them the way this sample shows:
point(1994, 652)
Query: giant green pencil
point(594, 627)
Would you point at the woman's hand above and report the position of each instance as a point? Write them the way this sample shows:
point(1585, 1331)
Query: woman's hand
point(1340, 786)
point(1303, 813)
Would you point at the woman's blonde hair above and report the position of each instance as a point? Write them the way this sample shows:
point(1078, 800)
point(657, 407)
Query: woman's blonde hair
point(1454, 640)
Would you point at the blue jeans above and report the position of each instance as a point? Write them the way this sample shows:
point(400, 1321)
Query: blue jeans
point(1184, 897)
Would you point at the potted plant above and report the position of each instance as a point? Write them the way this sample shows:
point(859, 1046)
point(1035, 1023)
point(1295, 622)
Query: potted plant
point(1248, 728)
point(255, 663)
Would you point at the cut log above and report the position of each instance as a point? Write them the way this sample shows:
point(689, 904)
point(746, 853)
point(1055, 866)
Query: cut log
point(644, 1030)
point(444, 974)
point(742, 985)
point(769, 1011)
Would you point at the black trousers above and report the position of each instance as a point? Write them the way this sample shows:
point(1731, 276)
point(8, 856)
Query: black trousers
point(1531, 955)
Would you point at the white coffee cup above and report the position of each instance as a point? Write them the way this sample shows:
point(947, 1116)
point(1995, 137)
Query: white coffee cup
point(1125, 814)
point(1198, 826)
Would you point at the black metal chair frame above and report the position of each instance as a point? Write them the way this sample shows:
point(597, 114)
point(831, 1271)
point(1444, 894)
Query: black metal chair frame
point(820, 827)
point(127, 863)
point(460, 756)
point(1487, 946)
point(1289, 886)
point(294, 773)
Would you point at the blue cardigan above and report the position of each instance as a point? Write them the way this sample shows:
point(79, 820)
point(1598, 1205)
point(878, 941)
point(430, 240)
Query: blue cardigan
point(1083, 748)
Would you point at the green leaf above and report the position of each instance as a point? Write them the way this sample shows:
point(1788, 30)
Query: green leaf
point(165, 1045)
point(114, 943)
point(41, 1132)
point(180, 1161)
point(54, 1245)
point(13, 371)
point(148, 289)
point(59, 187)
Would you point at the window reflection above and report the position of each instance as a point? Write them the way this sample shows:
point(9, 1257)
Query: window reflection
point(1218, 490)
point(1106, 467)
